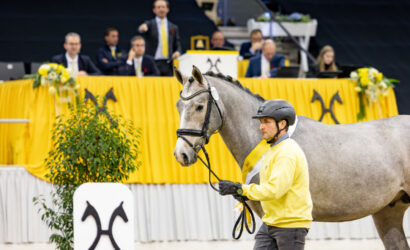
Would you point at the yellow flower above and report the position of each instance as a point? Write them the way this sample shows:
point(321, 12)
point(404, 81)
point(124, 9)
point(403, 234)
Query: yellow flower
point(358, 89)
point(60, 68)
point(52, 90)
point(363, 72)
point(43, 70)
point(365, 81)
point(379, 77)
point(63, 79)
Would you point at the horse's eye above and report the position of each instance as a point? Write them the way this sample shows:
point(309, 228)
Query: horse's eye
point(199, 107)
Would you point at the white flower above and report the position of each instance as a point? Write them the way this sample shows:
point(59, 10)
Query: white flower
point(52, 75)
point(43, 81)
point(354, 76)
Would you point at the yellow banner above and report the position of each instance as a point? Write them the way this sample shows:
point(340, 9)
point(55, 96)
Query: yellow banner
point(150, 103)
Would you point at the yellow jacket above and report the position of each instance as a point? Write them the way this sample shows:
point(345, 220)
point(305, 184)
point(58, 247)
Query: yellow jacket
point(284, 187)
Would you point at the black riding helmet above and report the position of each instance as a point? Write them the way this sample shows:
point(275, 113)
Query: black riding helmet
point(278, 110)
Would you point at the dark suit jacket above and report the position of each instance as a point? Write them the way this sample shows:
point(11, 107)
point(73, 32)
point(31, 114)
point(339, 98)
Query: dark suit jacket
point(148, 67)
point(84, 63)
point(254, 67)
point(245, 50)
point(113, 65)
point(151, 38)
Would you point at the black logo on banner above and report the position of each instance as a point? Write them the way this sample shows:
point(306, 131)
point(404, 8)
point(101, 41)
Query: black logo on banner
point(325, 110)
point(90, 211)
point(214, 65)
point(103, 108)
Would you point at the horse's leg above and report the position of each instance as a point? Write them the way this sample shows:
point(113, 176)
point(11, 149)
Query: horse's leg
point(389, 224)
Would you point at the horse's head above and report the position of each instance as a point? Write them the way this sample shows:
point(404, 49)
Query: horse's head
point(201, 115)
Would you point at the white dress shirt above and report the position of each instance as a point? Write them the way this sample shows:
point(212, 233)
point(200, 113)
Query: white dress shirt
point(265, 66)
point(72, 65)
point(135, 61)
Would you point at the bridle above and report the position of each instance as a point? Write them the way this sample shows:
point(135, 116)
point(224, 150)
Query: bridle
point(181, 133)
point(211, 99)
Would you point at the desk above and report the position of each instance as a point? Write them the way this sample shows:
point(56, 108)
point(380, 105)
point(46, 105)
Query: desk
point(150, 103)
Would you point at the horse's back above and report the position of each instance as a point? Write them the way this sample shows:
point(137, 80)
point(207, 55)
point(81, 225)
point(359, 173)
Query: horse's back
point(362, 161)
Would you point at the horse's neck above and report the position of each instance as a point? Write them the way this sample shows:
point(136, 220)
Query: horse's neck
point(239, 132)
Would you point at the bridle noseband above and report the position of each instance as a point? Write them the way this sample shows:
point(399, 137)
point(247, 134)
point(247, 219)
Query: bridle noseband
point(203, 132)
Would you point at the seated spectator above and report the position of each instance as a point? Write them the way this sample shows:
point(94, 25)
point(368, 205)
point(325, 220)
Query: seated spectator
point(218, 42)
point(76, 64)
point(139, 64)
point(325, 61)
point(252, 48)
point(110, 57)
point(267, 64)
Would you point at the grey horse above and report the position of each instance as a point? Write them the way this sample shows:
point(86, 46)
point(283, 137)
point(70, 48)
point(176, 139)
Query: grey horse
point(355, 170)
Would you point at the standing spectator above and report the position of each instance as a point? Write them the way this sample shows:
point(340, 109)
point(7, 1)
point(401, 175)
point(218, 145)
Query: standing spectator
point(110, 57)
point(267, 64)
point(76, 64)
point(162, 38)
point(218, 42)
point(139, 64)
point(252, 48)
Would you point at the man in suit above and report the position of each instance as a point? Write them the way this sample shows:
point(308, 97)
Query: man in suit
point(267, 64)
point(218, 42)
point(76, 64)
point(139, 64)
point(252, 48)
point(110, 58)
point(162, 38)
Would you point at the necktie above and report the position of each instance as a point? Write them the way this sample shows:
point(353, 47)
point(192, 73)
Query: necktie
point(138, 68)
point(113, 52)
point(164, 40)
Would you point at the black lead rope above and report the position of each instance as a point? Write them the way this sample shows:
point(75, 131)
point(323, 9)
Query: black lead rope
point(241, 220)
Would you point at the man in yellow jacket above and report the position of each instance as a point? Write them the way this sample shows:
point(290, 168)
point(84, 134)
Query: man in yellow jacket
point(284, 182)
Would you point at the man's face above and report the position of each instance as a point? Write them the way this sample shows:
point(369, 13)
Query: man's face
point(256, 37)
point(160, 9)
point(72, 45)
point(218, 40)
point(139, 47)
point(268, 128)
point(112, 38)
point(269, 51)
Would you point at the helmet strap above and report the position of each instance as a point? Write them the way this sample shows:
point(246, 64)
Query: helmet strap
point(275, 137)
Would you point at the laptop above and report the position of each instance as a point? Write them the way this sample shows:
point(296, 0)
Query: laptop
point(329, 74)
point(288, 72)
point(347, 69)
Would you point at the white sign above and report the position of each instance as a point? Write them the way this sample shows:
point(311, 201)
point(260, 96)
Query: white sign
point(103, 217)
point(217, 61)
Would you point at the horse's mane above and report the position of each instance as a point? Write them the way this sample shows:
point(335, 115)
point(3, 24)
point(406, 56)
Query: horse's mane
point(234, 83)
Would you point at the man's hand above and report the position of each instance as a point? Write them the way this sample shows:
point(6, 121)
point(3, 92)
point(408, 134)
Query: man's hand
point(143, 28)
point(256, 45)
point(105, 60)
point(175, 55)
point(131, 55)
point(264, 76)
point(229, 187)
point(82, 73)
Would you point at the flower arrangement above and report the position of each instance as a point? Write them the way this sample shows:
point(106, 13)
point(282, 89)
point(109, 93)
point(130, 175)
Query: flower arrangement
point(294, 18)
point(372, 84)
point(58, 80)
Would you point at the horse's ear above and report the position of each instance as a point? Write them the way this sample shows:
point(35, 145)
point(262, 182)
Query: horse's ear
point(196, 73)
point(180, 77)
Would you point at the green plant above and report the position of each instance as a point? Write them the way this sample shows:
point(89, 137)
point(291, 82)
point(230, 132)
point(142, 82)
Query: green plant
point(87, 147)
